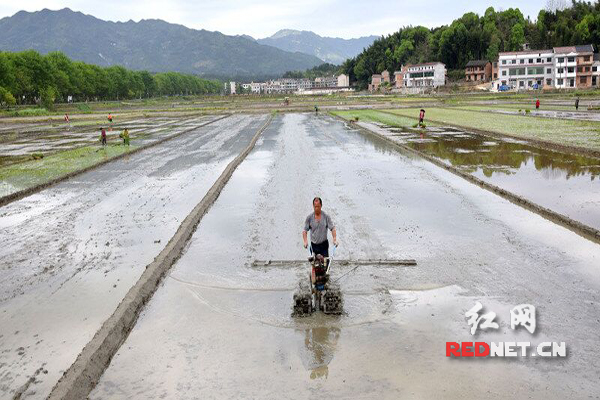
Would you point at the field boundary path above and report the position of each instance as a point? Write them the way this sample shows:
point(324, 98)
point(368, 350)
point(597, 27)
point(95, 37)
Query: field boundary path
point(581, 229)
point(37, 188)
point(78, 381)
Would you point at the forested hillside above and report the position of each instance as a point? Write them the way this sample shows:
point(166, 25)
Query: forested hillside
point(479, 37)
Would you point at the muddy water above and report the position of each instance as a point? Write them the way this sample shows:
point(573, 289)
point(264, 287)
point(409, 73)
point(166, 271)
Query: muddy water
point(19, 143)
point(221, 328)
point(70, 253)
point(565, 183)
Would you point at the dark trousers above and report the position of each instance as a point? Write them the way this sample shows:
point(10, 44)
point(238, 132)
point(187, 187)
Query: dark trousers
point(321, 248)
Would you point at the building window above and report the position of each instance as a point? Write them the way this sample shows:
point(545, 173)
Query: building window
point(504, 62)
point(561, 70)
point(587, 69)
point(548, 70)
point(586, 58)
point(531, 61)
point(549, 59)
point(572, 82)
point(521, 83)
point(560, 60)
point(504, 73)
point(571, 69)
point(522, 61)
point(594, 69)
point(571, 59)
point(539, 60)
point(559, 81)
point(583, 79)
point(548, 82)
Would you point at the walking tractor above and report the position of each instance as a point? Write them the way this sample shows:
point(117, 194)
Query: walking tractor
point(318, 292)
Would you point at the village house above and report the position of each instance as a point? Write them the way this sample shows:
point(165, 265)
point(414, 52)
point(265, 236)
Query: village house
point(478, 71)
point(378, 79)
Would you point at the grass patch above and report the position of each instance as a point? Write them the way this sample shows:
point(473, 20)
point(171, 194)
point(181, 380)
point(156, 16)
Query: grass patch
point(561, 131)
point(30, 112)
point(27, 174)
point(84, 108)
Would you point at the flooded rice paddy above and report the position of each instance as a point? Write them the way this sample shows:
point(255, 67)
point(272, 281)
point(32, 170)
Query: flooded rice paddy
point(565, 183)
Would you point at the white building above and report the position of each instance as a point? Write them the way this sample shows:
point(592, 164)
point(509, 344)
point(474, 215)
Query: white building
point(526, 69)
point(426, 75)
point(257, 87)
point(326, 81)
point(232, 87)
point(560, 67)
point(343, 80)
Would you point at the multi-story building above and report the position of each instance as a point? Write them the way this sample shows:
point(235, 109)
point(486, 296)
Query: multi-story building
point(398, 79)
point(343, 80)
point(257, 87)
point(561, 67)
point(325, 81)
point(424, 75)
point(596, 70)
point(478, 71)
point(494, 70)
point(526, 69)
point(378, 79)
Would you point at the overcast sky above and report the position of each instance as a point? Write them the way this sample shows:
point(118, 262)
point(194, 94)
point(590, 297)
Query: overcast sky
point(261, 18)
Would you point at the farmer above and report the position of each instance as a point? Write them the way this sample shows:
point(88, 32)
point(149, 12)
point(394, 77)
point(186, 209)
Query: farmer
point(103, 136)
point(537, 104)
point(67, 118)
point(125, 137)
point(110, 118)
point(421, 116)
point(577, 103)
point(317, 223)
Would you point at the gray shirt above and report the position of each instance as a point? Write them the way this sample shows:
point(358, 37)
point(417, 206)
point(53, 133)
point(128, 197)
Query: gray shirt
point(318, 229)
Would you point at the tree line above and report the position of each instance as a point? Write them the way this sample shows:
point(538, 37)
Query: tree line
point(325, 69)
point(479, 37)
point(28, 78)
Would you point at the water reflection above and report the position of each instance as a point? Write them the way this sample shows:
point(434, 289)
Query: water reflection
point(476, 152)
point(319, 346)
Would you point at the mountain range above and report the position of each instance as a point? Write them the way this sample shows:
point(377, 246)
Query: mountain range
point(152, 45)
point(331, 50)
point(159, 46)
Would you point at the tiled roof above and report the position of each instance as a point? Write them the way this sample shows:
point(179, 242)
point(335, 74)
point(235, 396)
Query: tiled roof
point(477, 63)
point(423, 64)
point(586, 48)
point(516, 53)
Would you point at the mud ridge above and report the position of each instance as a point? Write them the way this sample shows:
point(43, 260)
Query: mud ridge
point(34, 189)
point(583, 230)
point(79, 380)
